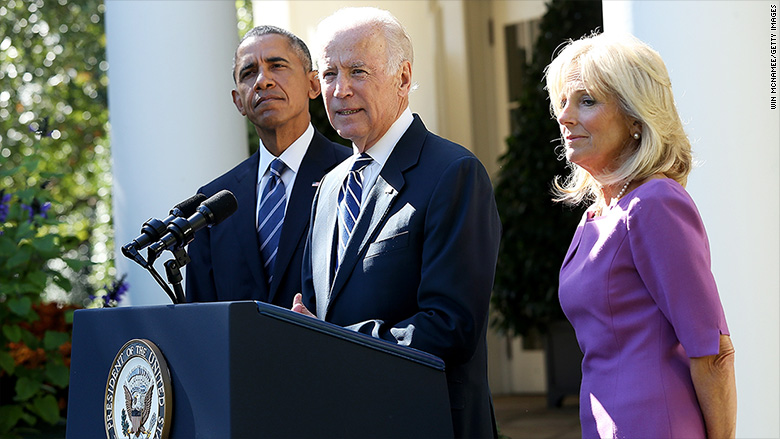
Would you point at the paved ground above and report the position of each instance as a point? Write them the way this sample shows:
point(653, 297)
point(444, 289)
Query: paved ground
point(527, 417)
point(518, 417)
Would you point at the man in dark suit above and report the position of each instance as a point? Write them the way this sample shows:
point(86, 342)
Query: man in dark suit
point(404, 235)
point(256, 253)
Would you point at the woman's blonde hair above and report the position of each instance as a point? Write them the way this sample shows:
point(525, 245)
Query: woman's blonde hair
point(623, 68)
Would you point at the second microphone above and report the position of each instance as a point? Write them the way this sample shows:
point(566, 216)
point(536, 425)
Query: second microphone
point(181, 231)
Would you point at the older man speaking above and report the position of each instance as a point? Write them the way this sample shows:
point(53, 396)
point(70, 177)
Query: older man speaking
point(404, 235)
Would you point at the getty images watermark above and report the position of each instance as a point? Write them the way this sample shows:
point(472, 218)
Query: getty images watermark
point(773, 56)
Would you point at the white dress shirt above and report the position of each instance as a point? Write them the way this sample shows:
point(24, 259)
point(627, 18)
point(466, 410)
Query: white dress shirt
point(292, 158)
point(382, 149)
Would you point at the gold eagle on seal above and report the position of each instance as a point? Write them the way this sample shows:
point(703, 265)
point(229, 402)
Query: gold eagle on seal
point(139, 405)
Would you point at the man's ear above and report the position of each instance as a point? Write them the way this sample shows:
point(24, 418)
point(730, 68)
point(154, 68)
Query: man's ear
point(314, 84)
point(405, 75)
point(237, 102)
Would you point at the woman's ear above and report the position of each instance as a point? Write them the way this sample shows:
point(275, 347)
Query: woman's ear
point(636, 129)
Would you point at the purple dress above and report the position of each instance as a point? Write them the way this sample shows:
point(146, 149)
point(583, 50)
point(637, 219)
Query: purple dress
point(637, 286)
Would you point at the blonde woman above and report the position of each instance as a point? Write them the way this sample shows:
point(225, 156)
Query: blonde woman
point(636, 282)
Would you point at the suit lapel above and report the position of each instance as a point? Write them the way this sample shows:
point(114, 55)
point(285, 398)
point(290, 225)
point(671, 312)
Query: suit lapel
point(380, 200)
point(378, 204)
point(372, 213)
point(324, 236)
point(315, 163)
point(246, 196)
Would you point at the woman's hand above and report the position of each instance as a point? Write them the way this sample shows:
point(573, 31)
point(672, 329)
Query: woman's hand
point(716, 390)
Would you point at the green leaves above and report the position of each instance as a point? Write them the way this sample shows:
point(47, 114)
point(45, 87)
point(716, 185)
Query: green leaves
point(21, 256)
point(53, 339)
point(20, 306)
point(10, 415)
point(12, 332)
point(6, 362)
point(55, 187)
point(26, 388)
point(76, 264)
point(47, 246)
point(57, 374)
point(35, 335)
point(46, 407)
point(54, 139)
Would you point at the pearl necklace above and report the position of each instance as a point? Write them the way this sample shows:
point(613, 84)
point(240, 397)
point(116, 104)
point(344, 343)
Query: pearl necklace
point(597, 211)
point(625, 186)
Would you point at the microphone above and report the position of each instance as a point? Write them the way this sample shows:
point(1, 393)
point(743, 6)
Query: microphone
point(181, 231)
point(153, 229)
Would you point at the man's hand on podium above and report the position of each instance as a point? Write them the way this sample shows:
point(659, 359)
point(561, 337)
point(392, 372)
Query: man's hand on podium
point(299, 307)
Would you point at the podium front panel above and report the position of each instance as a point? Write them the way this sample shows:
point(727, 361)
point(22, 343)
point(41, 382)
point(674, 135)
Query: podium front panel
point(248, 370)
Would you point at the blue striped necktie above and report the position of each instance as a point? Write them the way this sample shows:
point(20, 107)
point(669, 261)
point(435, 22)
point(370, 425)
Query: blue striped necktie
point(270, 216)
point(350, 197)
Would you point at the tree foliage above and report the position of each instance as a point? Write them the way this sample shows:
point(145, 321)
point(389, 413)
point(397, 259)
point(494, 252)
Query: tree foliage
point(536, 231)
point(55, 186)
point(53, 71)
point(35, 337)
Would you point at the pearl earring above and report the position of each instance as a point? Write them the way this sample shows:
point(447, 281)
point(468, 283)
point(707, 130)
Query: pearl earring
point(636, 136)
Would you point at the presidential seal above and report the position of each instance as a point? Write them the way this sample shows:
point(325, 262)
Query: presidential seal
point(138, 402)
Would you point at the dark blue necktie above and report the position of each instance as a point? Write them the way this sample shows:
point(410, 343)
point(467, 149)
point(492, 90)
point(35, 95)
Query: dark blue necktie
point(271, 216)
point(349, 202)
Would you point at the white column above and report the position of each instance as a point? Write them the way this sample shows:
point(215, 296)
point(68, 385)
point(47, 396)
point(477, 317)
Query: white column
point(719, 58)
point(273, 12)
point(173, 123)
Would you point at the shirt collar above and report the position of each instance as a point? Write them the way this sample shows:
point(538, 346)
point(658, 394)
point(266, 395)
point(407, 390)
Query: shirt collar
point(292, 156)
point(381, 150)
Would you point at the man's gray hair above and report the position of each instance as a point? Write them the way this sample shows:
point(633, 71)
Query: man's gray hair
point(399, 44)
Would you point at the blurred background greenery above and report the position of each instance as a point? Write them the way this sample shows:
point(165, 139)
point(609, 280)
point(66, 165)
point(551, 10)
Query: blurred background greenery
point(55, 200)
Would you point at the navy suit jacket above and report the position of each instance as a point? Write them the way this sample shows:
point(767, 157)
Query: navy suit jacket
point(419, 268)
point(226, 261)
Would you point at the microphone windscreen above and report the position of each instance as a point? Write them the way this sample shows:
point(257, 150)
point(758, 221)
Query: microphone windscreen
point(190, 205)
point(222, 205)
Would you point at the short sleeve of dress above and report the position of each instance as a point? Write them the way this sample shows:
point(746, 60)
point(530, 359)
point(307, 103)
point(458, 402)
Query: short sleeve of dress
point(672, 255)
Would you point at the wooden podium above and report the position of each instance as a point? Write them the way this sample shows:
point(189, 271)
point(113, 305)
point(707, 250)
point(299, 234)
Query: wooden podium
point(253, 370)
